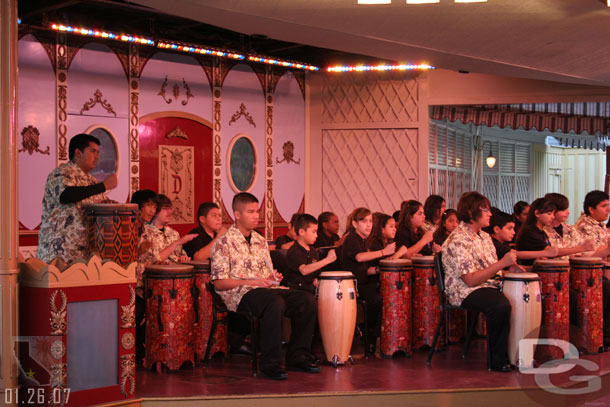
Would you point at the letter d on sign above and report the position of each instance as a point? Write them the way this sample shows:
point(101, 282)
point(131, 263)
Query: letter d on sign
point(528, 345)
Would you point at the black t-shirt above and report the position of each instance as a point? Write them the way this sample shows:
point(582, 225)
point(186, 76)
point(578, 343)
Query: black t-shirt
point(531, 239)
point(326, 241)
point(559, 229)
point(404, 238)
point(501, 248)
point(297, 256)
point(202, 240)
point(282, 240)
point(353, 245)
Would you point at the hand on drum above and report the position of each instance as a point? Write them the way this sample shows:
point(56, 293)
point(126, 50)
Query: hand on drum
point(551, 251)
point(331, 256)
point(184, 259)
point(509, 259)
point(588, 246)
point(517, 268)
point(428, 236)
point(389, 249)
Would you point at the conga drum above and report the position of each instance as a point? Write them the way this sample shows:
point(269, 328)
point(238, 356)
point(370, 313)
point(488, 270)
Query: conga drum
point(169, 315)
point(337, 310)
point(555, 280)
point(112, 231)
point(396, 318)
point(426, 303)
point(523, 292)
point(203, 309)
point(586, 275)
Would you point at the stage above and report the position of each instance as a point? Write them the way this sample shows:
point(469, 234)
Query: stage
point(449, 381)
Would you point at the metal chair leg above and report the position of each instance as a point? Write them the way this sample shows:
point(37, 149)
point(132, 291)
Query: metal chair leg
point(210, 344)
point(473, 323)
point(436, 335)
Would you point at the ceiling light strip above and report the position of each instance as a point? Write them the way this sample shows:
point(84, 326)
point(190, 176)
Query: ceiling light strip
point(199, 50)
point(102, 34)
point(279, 62)
point(365, 68)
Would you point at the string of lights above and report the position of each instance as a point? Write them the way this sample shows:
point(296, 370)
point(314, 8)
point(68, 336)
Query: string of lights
point(280, 62)
point(366, 68)
point(199, 50)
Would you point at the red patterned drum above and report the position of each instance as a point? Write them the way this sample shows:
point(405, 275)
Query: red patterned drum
point(112, 230)
point(457, 325)
point(586, 275)
point(395, 276)
point(555, 280)
point(203, 314)
point(425, 303)
point(169, 315)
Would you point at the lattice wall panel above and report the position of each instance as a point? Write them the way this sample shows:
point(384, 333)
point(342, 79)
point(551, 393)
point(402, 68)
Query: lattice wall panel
point(388, 97)
point(506, 199)
point(490, 188)
point(376, 168)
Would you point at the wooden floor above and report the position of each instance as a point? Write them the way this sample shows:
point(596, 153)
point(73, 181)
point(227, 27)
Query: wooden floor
point(450, 381)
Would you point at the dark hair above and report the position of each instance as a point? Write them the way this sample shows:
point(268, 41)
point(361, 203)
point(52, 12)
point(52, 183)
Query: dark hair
point(594, 198)
point(396, 215)
point(162, 202)
point(322, 219)
point(81, 142)
point(241, 199)
point(470, 205)
point(561, 201)
point(441, 233)
point(432, 208)
point(407, 210)
point(380, 220)
point(519, 207)
point(144, 196)
point(500, 219)
point(294, 218)
point(540, 205)
point(205, 208)
point(357, 215)
point(303, 221)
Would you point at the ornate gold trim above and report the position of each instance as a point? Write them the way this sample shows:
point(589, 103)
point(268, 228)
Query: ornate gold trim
point(128, 365)
point(177, 132)
point(97, 98)
point(175, 92)
point(242, 112)
point(58, 375)
point(269, 204)
point(58, 315)
point(134, 120)
point(128, 340)
point(61, 77)
point(288, 151)
point(128, 318)
point(31, 141)
point(58, 349)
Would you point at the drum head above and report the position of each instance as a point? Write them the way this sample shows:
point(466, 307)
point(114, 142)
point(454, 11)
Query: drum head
point(336, 275)
point(585, 260)
point(520, 277)
point(552, 263)
point(168, 271)
point(395, 262)
point(427, 260)
point(111, 209)
point(199, 265)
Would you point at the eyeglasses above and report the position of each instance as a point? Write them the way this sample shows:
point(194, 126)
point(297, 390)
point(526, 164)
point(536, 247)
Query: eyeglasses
point(488, 210)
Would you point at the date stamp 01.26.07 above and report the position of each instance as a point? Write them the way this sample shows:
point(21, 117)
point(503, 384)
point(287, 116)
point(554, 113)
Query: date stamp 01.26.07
point(36, 396)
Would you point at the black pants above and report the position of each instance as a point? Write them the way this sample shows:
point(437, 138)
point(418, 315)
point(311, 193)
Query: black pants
point(374, 304)
point(495, 306)
point(270, 306)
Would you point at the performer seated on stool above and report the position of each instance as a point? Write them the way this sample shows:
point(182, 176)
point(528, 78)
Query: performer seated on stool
point(286, 241)
point(210, 227)
point(242, 274)
point(411, 240)
point(302, 258)
point(328, 230)
point(502, 231)
point(147, 204)
point(469, 260)
point(592, 224)
point(63, 233)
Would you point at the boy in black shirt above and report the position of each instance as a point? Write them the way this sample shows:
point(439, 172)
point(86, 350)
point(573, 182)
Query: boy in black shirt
point(302, 257)
point(210, 227)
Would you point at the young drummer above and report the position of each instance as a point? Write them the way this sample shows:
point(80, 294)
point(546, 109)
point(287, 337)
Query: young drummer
point(328, 230)
point(286, 241)
point(302, 258)
point(210, 227)
point(449, 222)
point(355, 257)
point(434, 207)
point(411, 240)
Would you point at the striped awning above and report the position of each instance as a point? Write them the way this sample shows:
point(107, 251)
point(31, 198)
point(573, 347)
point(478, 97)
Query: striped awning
point(591, 118)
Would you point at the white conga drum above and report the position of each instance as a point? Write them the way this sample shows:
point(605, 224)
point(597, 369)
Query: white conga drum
point(523, 292)
point(337, 314)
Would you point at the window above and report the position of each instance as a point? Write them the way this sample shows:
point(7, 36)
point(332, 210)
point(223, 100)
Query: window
point(109, 153)
point(242, 163)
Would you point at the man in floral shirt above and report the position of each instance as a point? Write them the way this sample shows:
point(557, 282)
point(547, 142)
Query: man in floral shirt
point(242, 273)
point(592, 224)
point(469, 259)
point(63, 233)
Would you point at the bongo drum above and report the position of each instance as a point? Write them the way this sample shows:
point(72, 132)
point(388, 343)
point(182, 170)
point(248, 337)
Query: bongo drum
point(203, 308)
point(337, 314)
point(396, 319)
point(169, 315)
point(112, 231)
point(425, 302)
point(555, 280)
point(586, 275)
point(523, 292)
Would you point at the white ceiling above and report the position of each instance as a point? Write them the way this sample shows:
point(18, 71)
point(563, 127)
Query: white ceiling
point(559, 40)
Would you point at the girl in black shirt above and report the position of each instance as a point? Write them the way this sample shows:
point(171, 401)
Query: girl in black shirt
point(532, 236)
point(449, 222)
point(410, 237)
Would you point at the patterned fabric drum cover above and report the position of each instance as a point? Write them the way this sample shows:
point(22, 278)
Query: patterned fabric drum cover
point(523, 292)
point(337, 310)
point(395, 276)
point(457, 325)
point(586, 281)
point(555, 289)
point(112, 231)
point(425, 303)
point(203, 314)
point(169, 315)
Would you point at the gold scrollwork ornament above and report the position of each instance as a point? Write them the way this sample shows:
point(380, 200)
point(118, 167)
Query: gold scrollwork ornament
point(58, 315)
point(31, 141)
point(128, 316)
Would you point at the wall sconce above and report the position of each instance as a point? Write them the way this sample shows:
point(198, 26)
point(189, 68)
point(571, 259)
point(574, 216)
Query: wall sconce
point(490, 160)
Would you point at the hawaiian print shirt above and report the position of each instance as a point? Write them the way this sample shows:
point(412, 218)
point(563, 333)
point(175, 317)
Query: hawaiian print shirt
point(465, 252)
point(232, 257)
point(589, 228)
point(571, 237)
point(152, 243)
point(63, 233)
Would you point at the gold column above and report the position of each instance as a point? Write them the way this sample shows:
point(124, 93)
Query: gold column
point(216, 129)
point(8, 196)
point(134, 118)
point(269, 152)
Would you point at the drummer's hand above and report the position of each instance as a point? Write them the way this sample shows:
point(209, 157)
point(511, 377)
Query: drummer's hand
point(428, 236)
point(509, 259)
point(389, 249)
point(110, 201)
point(277, 276)
point(111, 182)
point(516, 268)
point(588, 246)
point(187, 238)
point(551, 251)
point(184, 259)
point(436, 248)
point(260, 282)
point(331, 256)
point(371, 271)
